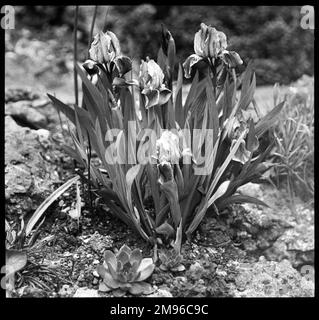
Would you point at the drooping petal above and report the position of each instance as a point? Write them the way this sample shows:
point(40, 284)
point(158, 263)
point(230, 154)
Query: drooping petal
point(152, 98)
point(121, 82)
point(231, 58)
point(138, 288)
point(90, 67)
point(146, 268)
point(189, 63)
point(164, 96)
point(123, 64)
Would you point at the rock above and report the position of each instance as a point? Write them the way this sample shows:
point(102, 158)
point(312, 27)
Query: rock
point(252, 190)
point(81, 277)
point(181, 279)
point(65, 291)
point(26, 114)
point(161, 293)
point(86, 293)
point(40, 103)
point(17, 94)
point(43, 137)
point(271, 279)
point(29, 178)
point(196, 267)
point(295, 244)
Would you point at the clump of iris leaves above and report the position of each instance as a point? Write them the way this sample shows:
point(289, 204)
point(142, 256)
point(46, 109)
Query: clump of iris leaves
point(166, 196)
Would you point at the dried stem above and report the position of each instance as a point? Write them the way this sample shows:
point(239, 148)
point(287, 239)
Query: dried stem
point(92, 29)
point(76, 90)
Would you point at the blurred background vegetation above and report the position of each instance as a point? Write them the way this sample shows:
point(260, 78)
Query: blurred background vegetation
point(271, 36)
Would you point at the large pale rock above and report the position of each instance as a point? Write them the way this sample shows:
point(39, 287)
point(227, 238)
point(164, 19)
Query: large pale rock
point(29, 177)
point(24, 112)
point(86, 293)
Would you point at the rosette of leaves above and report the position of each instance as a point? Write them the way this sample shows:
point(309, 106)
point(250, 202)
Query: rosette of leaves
point(125, 272)
point(171, 260)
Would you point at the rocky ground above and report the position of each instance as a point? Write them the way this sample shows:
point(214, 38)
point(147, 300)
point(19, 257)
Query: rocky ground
point(245, 251)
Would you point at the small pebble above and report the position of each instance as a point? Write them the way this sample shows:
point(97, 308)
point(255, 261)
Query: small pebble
point(95, 274)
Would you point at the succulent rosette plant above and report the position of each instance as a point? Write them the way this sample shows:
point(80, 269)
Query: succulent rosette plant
point(210, 45)
point(126, 271)
point(171, 260)
point(152, 83)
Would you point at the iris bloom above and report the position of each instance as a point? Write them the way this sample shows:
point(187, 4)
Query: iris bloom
point(167, 147)
point(152, 82)
point(105, 49)
point(210, 44)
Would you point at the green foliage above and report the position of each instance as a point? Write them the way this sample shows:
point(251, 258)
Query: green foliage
point(16, 255)
point(294, 150)
point(126, 272)
point(161, 154)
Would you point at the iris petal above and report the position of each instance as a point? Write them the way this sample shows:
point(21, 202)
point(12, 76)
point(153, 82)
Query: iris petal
point(123, 64)
point(189, 63)
point(152, 98)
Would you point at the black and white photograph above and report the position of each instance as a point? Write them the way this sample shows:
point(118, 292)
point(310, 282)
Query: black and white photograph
point(158, 151)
